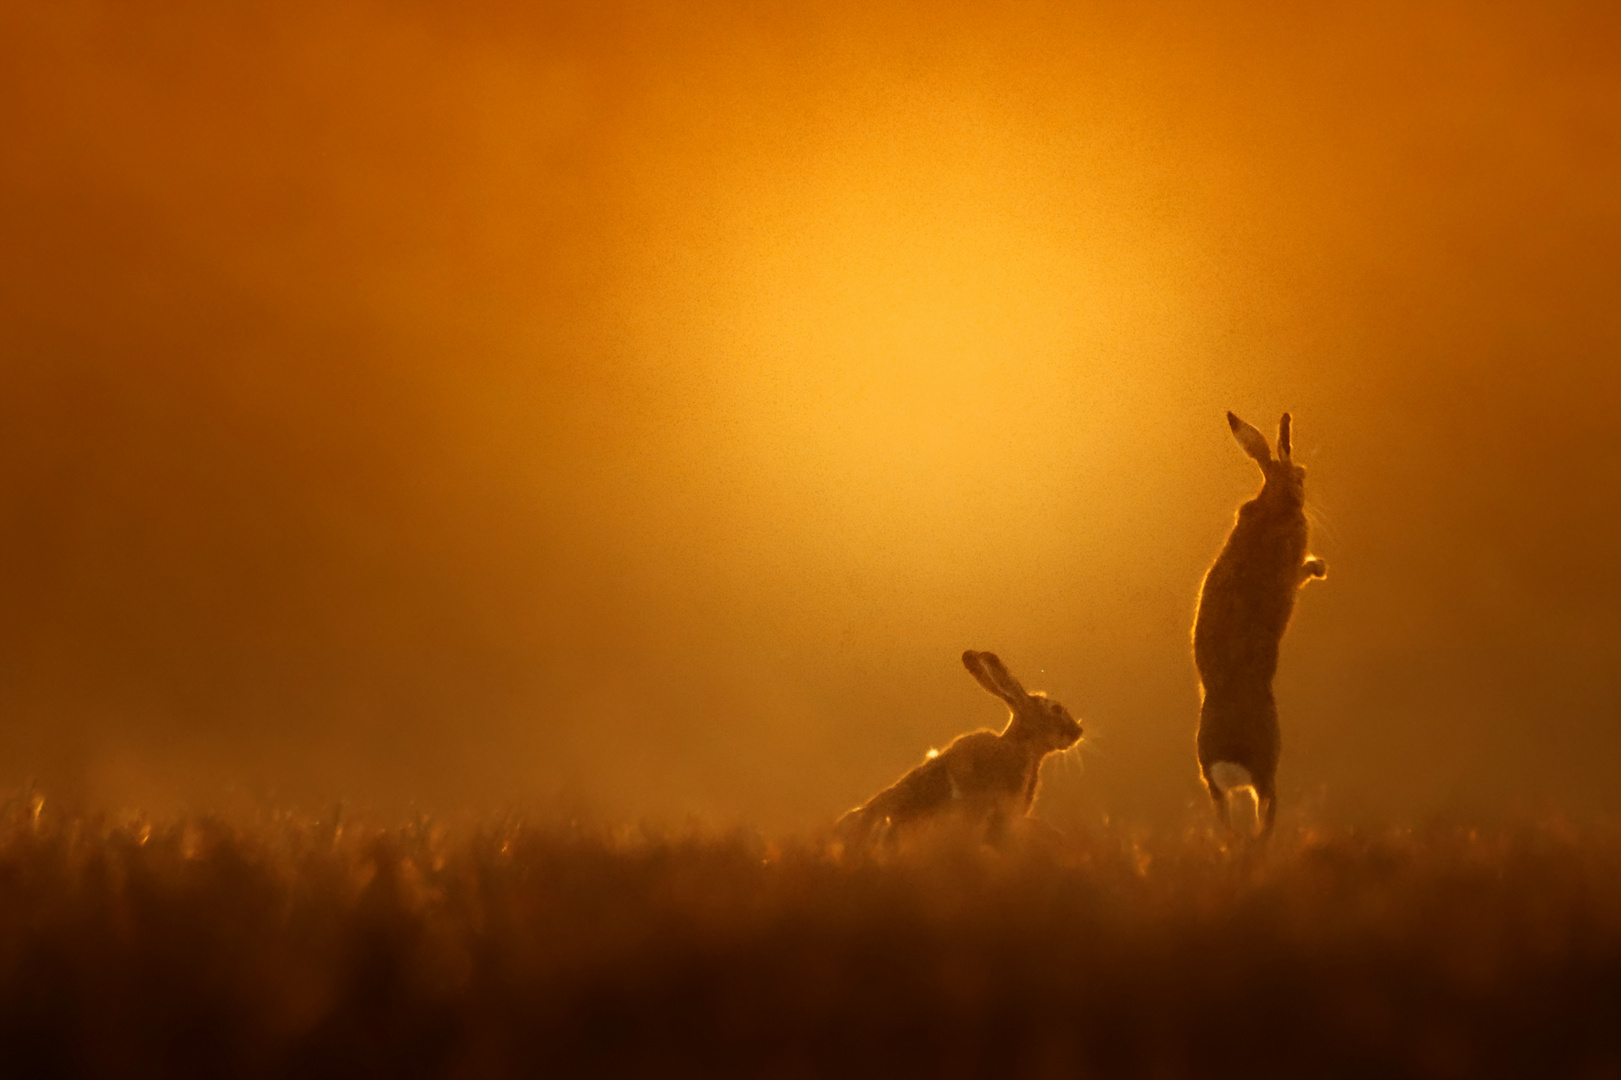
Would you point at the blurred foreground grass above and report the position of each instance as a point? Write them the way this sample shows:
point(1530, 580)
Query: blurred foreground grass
point(292, 946)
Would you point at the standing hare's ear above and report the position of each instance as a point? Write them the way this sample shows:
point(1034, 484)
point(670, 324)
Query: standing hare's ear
point(1253, 442)
point(1283, 438)
point(994, 676)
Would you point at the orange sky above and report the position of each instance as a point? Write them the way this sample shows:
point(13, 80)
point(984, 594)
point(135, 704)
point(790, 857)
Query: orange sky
point(487, 403)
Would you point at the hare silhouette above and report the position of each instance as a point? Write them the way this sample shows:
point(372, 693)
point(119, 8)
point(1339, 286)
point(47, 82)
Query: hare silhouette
point(1245, 603)
point(984, 778)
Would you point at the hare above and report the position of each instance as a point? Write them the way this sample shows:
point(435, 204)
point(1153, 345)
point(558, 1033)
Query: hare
point(1244, 607)
point(983, 777)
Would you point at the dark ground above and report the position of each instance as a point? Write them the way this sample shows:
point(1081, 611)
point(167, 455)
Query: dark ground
point(303, 947)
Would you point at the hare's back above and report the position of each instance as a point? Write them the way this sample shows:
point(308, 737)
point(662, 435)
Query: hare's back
point(924, 790)
point(982, 763)
point(1244, 607)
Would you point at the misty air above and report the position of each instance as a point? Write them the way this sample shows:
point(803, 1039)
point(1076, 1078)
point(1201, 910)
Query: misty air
point(748, 539)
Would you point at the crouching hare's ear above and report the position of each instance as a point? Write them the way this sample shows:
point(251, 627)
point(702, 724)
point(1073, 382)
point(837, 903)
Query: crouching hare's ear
point(994, 676)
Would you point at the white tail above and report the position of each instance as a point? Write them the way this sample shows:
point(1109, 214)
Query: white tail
point(1230, 774)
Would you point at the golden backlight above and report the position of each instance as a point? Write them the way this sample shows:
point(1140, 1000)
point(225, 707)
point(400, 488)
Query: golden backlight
point(643, 408)
point(909, 365)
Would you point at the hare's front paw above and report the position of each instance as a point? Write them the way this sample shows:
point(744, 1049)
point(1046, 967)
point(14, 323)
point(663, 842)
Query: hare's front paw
point(1315, 568)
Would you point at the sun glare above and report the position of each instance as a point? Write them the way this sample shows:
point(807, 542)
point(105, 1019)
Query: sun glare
point(916, 342)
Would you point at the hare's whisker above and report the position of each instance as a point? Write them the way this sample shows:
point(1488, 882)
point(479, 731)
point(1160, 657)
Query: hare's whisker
point(1322, 520)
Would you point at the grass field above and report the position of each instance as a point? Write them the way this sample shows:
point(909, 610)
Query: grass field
point(302, 947)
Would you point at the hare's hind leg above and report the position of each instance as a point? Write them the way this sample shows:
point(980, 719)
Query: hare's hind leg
point(1219, 798)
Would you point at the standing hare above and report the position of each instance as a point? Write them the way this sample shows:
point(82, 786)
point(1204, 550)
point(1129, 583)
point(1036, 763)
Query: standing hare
point(1244, 607)
point(985, 778)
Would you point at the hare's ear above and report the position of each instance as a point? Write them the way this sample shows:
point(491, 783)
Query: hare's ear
point(1253, 442)
point(994, 676)
point(1283, 438)
point(974, 662)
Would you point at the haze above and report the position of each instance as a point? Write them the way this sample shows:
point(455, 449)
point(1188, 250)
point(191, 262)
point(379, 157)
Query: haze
point(639, 407)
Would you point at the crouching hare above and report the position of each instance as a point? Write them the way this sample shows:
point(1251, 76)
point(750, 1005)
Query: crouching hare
point(1244, 608)
point(984, 778)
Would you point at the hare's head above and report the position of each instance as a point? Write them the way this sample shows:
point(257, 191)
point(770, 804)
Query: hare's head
point(1036, 717)
point(1285, 481)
